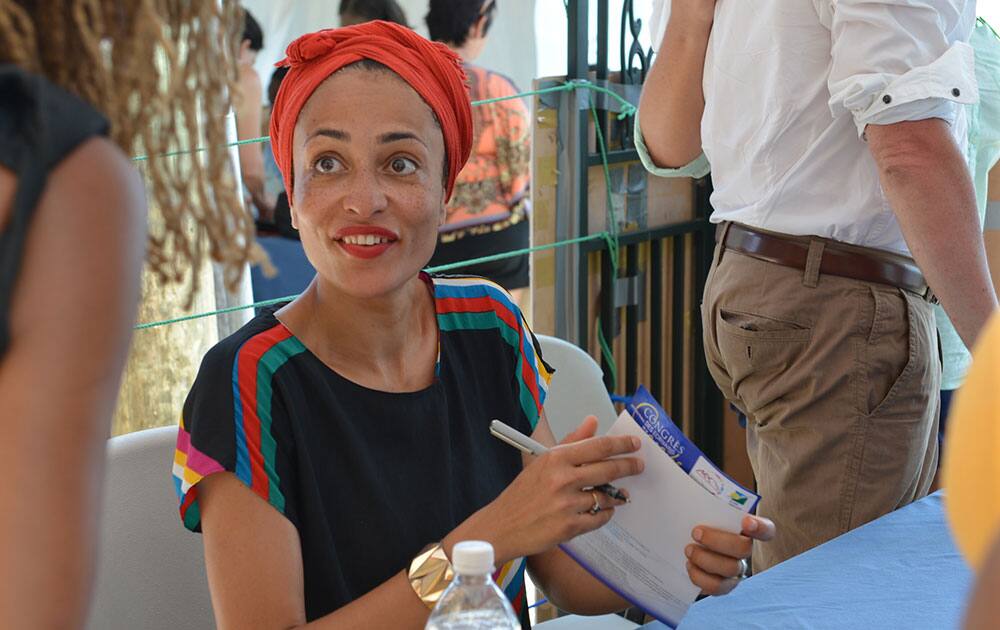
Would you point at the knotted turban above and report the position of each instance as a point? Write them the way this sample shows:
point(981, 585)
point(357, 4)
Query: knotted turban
point(430, 68)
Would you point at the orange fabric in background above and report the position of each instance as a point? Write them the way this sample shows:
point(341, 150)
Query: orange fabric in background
point(495, 181)
point(971, 464)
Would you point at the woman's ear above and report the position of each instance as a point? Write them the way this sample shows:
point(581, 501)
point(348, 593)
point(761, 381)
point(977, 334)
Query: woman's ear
point(479, 28)
point(293, 214)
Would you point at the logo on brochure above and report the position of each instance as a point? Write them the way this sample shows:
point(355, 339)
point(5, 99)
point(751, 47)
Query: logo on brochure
point(651, 424)
point(738, 497)
point(711, 481)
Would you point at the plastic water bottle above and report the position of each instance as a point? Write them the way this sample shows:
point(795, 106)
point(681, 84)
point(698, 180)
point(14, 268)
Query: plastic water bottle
point(473, 601)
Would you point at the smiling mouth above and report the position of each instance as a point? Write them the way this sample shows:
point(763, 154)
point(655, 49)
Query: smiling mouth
point(368, 240)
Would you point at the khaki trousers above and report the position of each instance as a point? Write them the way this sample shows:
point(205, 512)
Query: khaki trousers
point(839, 381)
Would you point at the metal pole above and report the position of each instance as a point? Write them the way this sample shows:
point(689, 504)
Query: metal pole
point(571, 196)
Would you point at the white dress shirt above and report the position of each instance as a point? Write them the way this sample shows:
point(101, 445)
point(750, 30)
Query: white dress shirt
point(790, 86)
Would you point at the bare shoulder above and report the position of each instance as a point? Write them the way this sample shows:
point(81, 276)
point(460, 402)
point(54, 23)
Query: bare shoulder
point(97, 194)
point(96, 173)
point(248, 75)
point(93, 212)
point(250, 85)
point(99, 177)
point(75, 299)
point(85, 243)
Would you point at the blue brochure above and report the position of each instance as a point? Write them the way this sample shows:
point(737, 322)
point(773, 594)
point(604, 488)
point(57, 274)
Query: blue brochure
point(640, 553)
point(657, 424)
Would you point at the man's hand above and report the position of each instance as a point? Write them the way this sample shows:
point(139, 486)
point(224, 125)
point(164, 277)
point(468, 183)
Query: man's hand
point(714, 558)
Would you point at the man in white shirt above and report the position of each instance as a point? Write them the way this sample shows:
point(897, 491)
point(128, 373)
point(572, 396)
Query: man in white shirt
point(830, 127)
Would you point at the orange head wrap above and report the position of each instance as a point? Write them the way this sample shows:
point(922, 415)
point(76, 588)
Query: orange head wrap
point(430, 68)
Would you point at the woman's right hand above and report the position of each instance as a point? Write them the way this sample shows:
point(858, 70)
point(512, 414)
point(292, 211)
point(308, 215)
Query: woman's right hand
point(546, 503)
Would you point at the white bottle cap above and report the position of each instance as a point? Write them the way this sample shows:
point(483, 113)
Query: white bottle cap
point(472, 557)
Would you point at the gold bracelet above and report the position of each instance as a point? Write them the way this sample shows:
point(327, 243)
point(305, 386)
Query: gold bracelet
point(430, 574)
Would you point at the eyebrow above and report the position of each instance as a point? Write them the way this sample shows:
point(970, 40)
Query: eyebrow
point(385, 138)
point(336, 134)
point(396, 136)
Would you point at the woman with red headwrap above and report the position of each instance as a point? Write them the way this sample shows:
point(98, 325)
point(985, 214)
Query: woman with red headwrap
point(332, 439)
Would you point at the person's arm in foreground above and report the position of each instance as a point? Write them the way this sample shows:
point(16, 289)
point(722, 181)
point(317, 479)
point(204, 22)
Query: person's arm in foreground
point(672, 101)
point(71, 320)
point(984, 605)
point(712, 559)
point(928, 185)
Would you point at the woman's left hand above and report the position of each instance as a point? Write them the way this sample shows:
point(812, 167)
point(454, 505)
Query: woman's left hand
point(714, 557)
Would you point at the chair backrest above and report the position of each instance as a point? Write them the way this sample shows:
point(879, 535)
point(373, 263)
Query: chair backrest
point(576, 390)
point(151, 571)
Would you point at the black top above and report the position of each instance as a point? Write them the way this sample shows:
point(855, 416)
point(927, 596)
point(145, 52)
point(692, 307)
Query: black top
point(40, 124)
point(368, 478)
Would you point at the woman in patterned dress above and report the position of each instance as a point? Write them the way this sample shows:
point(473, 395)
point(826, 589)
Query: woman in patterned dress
point(488, 212)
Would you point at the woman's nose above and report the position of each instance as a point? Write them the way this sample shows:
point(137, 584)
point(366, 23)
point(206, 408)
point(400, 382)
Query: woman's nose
point(363, 195)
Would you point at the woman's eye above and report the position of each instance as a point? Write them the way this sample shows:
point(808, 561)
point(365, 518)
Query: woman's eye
point(402, 166)
point(327, 164)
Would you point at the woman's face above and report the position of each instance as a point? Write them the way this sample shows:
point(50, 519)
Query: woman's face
point(368, 195)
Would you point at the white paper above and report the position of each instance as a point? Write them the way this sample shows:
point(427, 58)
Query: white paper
point(640, 552)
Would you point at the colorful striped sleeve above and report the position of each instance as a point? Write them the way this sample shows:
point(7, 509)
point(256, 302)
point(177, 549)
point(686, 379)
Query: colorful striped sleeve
point(474, 303)
point(230, 422)
point(510, 579)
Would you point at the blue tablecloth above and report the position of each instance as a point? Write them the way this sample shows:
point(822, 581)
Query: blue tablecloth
point(900, 571)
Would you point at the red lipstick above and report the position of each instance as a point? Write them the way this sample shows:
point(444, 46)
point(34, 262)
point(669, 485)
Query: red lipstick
point(365, 241)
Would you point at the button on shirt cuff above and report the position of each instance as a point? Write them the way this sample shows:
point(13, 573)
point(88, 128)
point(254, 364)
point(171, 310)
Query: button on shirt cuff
point(699, 167)
point(930, 91)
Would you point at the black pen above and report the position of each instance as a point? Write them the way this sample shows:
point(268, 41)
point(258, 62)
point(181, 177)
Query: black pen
point(525, 444)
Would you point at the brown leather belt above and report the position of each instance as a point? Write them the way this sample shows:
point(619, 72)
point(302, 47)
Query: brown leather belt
point(838, 259)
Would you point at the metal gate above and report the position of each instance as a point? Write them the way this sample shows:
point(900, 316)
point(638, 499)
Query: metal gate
point(659, 276)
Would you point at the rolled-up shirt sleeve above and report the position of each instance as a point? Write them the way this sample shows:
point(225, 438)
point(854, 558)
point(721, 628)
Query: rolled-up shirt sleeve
point(899, 60)
point(698, 167)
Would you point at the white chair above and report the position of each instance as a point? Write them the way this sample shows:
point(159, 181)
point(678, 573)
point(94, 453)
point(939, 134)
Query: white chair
point(575, 392)
point(151, 571)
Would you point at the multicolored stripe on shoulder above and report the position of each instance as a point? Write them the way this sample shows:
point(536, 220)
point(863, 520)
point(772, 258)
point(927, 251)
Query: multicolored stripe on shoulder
point(474, 303)
point(253, 368)
point(190, 467)
point(510, 579)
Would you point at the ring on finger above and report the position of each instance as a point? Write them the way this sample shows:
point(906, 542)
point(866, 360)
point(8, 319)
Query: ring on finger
point(744, 569)
point(594, 509)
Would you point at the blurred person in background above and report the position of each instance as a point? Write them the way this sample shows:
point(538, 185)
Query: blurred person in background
point(488, 214)
point(280, 221)
point(358, 11)
point(250, 94)
point(72, 230)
